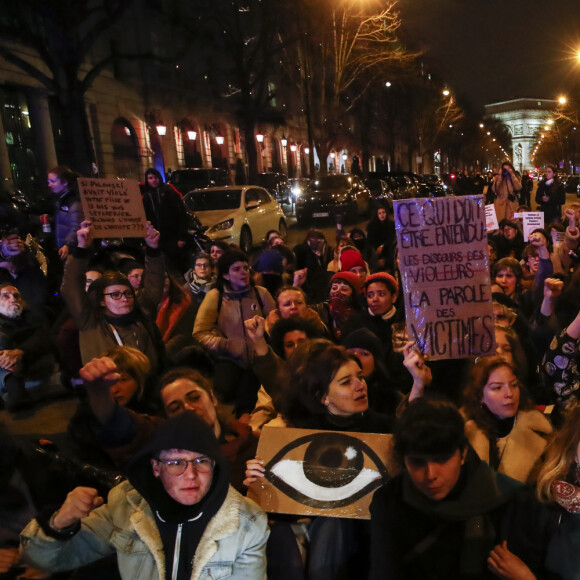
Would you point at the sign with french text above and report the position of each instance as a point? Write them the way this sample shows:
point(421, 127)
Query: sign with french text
point(491, 218)
point(532, 220)
point(329, 473)
point(114, 207)
point(444, 265)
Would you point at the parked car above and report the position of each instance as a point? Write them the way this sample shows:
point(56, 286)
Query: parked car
point(381, 192)
point(435, 183)
point(277, 184)
point(186, 180)
point(332, 195)
point(571, 183)
point(240, 214)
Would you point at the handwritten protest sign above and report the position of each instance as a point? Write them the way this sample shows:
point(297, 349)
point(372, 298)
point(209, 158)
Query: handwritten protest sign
point(443, 260)
point(532, 221)
point(326, 473)
point(114, 207)
point(491, 218)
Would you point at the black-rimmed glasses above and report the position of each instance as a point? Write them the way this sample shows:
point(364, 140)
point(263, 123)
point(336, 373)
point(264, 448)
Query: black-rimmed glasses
point(119, 295)
point(178, 466)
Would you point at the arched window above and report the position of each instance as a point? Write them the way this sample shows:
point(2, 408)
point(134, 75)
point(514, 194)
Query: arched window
point(126, 152)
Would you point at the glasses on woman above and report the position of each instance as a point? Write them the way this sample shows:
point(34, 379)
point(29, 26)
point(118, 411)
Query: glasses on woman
point(119, 295)
point(178, 466)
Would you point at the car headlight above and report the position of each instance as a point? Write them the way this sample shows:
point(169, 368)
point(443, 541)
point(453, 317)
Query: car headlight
point(222, 226)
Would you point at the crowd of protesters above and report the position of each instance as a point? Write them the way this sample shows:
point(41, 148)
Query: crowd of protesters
point(180, 359)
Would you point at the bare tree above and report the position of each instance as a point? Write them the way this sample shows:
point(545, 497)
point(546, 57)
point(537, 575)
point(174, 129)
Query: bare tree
point(340, 50)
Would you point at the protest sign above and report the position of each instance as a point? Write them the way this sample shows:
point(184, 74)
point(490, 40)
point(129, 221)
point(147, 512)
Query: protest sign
point(491, 218)
point(114, 207)
point(558, 237)
point(327, 473)
point(532, 221)
point(444, 265)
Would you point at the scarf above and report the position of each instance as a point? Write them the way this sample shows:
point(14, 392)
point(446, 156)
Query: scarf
point(169, 314)
point(567, 495)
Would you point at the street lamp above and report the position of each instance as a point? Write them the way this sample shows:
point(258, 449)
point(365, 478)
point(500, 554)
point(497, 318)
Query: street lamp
point(259, 138)
point(192, 135)
point(446, 92)
point(562, 99)
point(306, 150)
point(284, 141)
point(293, 148)
point(161, 129)
point(219, 140)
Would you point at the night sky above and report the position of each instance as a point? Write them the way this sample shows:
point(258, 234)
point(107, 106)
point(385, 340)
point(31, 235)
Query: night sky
point(496, 50)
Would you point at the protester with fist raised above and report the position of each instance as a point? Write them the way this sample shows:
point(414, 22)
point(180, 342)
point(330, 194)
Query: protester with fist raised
point(176, 516)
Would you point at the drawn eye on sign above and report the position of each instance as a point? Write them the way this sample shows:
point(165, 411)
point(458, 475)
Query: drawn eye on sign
point(321, 472)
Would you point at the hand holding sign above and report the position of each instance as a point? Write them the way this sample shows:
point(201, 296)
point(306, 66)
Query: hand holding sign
point(84, 238)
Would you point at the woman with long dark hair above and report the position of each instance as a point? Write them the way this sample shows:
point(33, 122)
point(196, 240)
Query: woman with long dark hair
point(110, 313)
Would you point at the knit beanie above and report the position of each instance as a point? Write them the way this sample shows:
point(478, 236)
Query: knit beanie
point(384, 277)
point(270, 261)
point(349, 259)
point(351, 279)
point(365, 339)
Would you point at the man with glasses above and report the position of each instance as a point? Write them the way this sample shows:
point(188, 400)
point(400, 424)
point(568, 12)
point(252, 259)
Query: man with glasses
point(25, 355)
point(176, 517)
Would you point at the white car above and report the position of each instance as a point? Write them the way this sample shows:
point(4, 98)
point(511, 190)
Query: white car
point(238, 215)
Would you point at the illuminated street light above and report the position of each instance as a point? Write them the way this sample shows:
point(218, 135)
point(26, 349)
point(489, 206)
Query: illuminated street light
point(481, 125)
point(388, 84)
point(192, 135)
point(259, 137)
point(219, 140)
point(161, 129)
point(562, 100)
point(293, 148)
point(550, 121)
point(446, 92)
point(306, 150)
point(284, 141)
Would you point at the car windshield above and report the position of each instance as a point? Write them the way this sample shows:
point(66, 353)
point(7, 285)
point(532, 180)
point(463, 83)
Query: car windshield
point(213, 199)
point(330, 182)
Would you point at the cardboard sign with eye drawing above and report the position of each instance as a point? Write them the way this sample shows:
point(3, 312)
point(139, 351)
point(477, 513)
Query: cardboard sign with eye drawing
point(321, 473)
point(444, 266)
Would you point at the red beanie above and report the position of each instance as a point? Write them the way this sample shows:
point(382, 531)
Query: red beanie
point(349, 259)
point(384, 277)
point(350, 278)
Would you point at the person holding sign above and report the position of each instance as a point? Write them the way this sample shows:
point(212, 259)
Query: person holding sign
point(109, 313)
point(505, 187)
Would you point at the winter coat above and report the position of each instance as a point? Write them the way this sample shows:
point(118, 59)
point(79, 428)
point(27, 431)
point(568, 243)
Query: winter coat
point(232, 546)
point(95, 333)
point(220, 328)
point(503, 190)
point(165, 209)
point(520, 450)
point(414, 537)
point(557, 197)
point(68, 218)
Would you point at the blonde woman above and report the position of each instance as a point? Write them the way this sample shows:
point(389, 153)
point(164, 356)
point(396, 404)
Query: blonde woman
point(559, 482)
